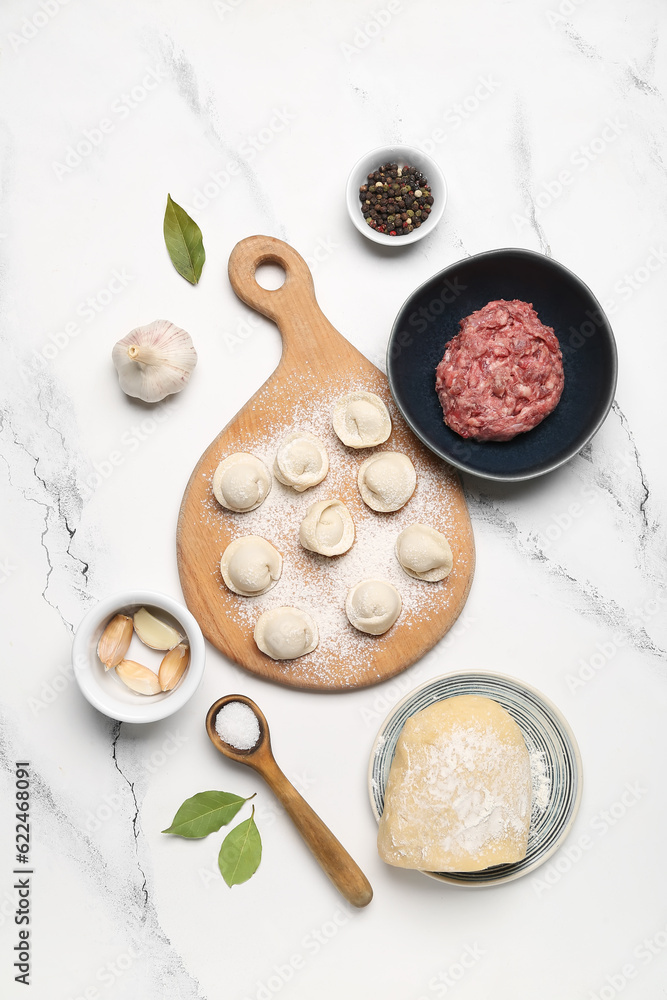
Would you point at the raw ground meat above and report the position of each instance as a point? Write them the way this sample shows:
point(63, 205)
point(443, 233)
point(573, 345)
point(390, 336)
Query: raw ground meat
point(501, 374)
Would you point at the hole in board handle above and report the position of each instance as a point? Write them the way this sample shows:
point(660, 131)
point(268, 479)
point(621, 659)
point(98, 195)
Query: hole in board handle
point(270, 276)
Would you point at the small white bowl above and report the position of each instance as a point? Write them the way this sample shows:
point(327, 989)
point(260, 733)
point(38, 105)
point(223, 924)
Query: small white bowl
point(403, 156)
point(103, 689)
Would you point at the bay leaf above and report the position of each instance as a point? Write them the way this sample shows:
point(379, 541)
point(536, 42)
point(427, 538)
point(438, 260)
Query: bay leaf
point(205, 813)
point(184, 242)
point(241, 852)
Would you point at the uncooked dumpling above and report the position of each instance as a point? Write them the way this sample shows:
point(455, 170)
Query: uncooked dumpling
point(250, 565)
point(327, 528)
point(361, 420)
point(387, 480)
point(241, 482)
point(301, 462)
point(424, 553)
point(285, 633)
point(459, 790)
point(373, 606)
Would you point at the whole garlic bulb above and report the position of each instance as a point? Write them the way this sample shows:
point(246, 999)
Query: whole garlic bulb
point(154, 360)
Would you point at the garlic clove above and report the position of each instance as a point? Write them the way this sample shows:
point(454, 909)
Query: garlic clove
point(115, 641)
point(138, 678)
point(173, 666)
point(153, 632)
point(155, 360)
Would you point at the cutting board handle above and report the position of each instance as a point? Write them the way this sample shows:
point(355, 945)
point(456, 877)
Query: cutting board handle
point(293, 306)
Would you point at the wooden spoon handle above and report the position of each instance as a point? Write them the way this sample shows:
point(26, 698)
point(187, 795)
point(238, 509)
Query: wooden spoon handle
point(332, 856)
point(293, 306)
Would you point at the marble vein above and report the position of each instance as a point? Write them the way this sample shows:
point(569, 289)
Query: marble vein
point(641, 76)
point(592, 603)
point(202, 102)
point(130, 784)
point(51, 484)
point(632, 503)
point(116, 895)
point(580, 44)
point(626, 484)
point(524, 158)
point(457, 240)
point(644, 485)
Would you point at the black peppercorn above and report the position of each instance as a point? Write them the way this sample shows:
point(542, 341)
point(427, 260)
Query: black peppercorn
point(395, 200)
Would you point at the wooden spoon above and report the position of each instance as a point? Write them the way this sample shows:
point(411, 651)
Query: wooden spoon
point(332, 856)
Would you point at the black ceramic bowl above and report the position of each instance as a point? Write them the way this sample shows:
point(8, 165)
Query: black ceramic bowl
point(430, 318)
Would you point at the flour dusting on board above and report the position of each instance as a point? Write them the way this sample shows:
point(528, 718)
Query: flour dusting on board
point(318, 584)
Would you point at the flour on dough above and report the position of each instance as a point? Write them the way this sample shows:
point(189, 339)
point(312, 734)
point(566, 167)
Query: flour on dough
point(285, 633)
point(459, 790)
point(361, 420)
point(424, 553)
point(386, 480)
point(327, 528)
point(301, 462)
point(250, 565)
point(373, 606)
point(241, 482)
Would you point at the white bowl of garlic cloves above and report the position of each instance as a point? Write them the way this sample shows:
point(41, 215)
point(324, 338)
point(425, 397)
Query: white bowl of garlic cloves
point(138, 656)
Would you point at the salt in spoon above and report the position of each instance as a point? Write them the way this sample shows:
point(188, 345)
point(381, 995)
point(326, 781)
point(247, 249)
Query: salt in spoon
point(332, 856)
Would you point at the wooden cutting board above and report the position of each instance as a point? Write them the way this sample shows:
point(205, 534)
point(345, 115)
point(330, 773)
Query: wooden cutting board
point(317, 366)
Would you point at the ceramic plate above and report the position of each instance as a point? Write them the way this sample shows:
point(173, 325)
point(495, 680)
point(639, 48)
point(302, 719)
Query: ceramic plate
point(430, 318)
point(554, 754)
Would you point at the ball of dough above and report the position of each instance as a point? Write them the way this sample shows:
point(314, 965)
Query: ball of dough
point(373, 606)
point(327, 528)
point(241, 482)
point(250, 565)
point(301, 462)
point(424, 553)
point(459, 790)
point(361, 420)
point(285, 633)
point(387, 480)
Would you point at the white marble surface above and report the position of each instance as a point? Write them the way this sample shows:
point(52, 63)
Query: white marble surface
point(507, 96)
